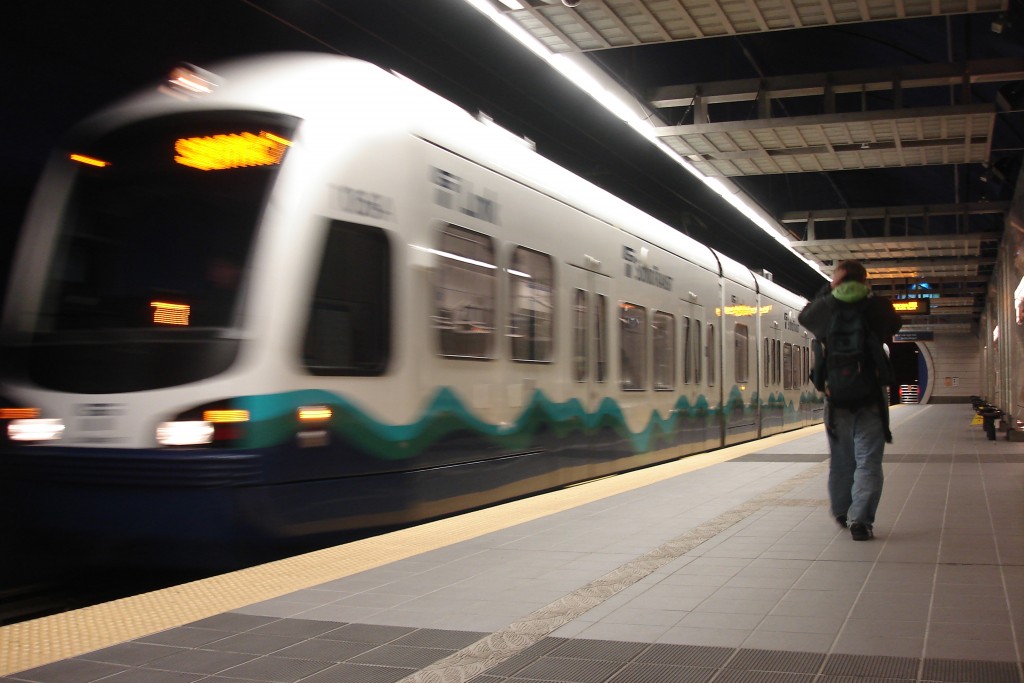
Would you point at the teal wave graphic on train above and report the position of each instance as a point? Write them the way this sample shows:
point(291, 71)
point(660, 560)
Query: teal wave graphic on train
point(273, 421)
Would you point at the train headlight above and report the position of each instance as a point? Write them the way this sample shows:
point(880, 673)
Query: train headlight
point(184, 433)
point(36, 429)
point(218, 425)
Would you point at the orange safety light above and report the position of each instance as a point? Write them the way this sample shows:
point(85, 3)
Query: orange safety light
point(231, 150)
point(315, 413)
point(223, 416)
point(18, 413)
point(91, 161)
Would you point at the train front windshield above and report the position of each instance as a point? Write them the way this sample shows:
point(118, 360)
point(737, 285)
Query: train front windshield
point(149, 268)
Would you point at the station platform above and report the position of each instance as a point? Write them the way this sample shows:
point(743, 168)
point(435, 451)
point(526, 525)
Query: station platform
point(724, 567)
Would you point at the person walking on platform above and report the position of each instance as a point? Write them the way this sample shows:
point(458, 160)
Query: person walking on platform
point(850, 326)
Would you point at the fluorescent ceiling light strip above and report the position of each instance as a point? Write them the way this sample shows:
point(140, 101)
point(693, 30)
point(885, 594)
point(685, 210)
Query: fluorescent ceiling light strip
point(617, 106)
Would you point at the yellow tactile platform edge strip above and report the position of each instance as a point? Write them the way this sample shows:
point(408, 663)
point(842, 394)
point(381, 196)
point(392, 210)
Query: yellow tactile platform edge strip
point(42, 641)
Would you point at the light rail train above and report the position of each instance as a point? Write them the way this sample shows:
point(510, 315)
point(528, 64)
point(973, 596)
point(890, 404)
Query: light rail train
point(299, 296)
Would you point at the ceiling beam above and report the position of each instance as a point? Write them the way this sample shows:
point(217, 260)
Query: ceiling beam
point(831, 119)
point(909, 211)
point(839, 82)
point(929, 263)
point(963, 244)
point(942, 281)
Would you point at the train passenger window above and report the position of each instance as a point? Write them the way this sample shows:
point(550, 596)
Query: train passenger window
point(349, 325)
point(801, 365)
point(579, 336)
point(532, 305)
point(787, 366)
point(767, 361)
point(464, 294)
point(741, 342)
point(687, 351)
point(698, 356)
point(797, 366)
point(601, 338)
point(664, 326)
point(807, 366)
point(711, 354)
point(777, 361)
point(633, 346)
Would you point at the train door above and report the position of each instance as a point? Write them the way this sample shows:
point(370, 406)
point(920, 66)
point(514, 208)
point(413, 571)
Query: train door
point(773, 400)
point(700, 429)
point(590, 301)
point(712, 358)
point(740, 410)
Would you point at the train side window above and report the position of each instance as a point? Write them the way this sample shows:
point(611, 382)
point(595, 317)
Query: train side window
point(711, 354)
point(797, 366)
point(787, 366)
point(776, 361)
point(579, 335)
point(698, 355)
point(348, 332)
point(464, 294)
point(664, 326)
point(807, 365)
point(802, 366)
point(767, 362)
point(601, 337)
point(741, 342)
point(532, 305)
point(687, 351)
point(633, 346)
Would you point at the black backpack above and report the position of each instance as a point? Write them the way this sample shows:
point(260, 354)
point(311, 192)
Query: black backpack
point(854, 365)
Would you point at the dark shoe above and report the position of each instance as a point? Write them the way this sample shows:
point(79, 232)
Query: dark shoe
point(860, 531)
point(841, 520)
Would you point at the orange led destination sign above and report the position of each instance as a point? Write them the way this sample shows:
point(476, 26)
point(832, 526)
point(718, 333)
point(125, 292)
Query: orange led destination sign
point(166, 313)
point(911, 306)
point(231, 150)
point(91, 161)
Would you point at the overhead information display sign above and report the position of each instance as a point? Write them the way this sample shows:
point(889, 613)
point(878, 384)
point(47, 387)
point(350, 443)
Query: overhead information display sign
point(913, 337)
point(911, 306)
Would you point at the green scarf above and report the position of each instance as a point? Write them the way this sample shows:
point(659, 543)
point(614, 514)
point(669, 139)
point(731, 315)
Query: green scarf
point(851, 291)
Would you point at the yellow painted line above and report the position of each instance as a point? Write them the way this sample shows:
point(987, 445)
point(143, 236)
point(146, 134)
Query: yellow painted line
point(53, 638)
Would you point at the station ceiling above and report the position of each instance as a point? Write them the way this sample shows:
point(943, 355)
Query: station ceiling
point(888, 131)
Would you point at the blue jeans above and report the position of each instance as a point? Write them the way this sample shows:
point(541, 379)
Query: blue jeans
point(855, 470)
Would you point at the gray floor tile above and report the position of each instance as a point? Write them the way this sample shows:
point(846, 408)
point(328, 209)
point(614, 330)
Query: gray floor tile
point(70, 671)
point(252, 643)
point(131, 654)
point(200, 661)
point(275, 669)
point(151, 676)
point(661, 673)
point(395, 655)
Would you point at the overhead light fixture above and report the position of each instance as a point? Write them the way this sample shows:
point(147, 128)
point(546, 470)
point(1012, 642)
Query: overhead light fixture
point(636, 117)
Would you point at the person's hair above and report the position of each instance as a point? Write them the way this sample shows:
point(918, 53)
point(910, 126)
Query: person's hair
point(855, 271)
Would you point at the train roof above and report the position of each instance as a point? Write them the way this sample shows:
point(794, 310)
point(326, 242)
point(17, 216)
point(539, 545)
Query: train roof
point(320, 86)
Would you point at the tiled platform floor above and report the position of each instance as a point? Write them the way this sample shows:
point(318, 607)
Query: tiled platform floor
point(730, 574)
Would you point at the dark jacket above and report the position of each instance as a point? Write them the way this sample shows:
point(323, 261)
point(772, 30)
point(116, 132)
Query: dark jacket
point(882, 318)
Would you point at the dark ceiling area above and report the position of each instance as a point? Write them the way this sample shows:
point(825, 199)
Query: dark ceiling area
point(885, 130)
